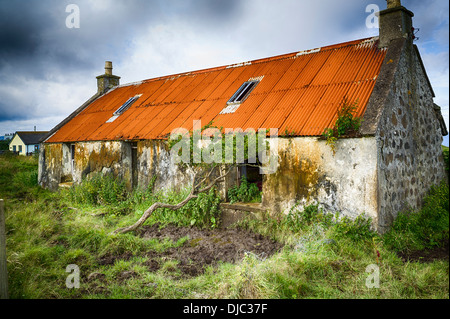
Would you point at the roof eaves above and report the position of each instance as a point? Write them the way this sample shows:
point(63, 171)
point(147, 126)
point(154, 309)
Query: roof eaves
point(71, 116)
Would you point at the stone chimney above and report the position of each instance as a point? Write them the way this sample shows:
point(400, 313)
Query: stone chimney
point(395, 22)
point(107, 80)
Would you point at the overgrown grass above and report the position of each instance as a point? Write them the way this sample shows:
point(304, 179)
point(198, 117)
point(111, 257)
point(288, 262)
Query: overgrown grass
point(426, 229)
point(325, 256)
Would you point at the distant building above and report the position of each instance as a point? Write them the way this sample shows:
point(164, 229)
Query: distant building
point(6, 137)
point(26, 143)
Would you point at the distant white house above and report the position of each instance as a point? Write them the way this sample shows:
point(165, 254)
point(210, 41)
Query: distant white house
point(26, 143)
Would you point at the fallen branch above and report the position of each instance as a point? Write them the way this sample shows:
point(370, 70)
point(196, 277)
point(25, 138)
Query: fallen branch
point(193, 194)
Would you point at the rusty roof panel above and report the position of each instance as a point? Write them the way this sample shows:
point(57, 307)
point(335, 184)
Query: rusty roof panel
point(298, 93)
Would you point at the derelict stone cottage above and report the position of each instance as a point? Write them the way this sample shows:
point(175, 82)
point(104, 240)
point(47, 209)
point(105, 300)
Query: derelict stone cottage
point(389, 166)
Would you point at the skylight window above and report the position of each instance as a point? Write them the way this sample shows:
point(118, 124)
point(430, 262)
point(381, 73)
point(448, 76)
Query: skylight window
point(243, 92)
point(124, 107)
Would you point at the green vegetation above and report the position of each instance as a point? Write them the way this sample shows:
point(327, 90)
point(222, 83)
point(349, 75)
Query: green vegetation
point(4, 145)
point(325, 255)
point(445, 154)
point(246, 192)
point(425, 229)
point(345, 124)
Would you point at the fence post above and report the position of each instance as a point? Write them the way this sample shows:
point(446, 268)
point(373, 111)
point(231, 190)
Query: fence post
point(3, 271)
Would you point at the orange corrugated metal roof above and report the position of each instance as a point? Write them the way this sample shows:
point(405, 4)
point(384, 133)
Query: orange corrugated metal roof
point(299, 93)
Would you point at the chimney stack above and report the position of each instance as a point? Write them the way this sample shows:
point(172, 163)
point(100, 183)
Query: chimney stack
point(395, 23)
point(107, 81)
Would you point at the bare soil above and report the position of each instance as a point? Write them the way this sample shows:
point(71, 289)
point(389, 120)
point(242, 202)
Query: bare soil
point(429, 255)
point(203, 248)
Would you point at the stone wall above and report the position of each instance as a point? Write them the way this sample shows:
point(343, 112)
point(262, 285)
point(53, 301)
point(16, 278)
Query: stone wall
point(309, 173)
point(50, 165)
point(112, 157)
point(154, 162)
point(409, 140)
point(55, 162)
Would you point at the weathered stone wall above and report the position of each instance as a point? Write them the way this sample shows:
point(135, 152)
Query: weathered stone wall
point(154, 161)
point(50, 168)
point(55, 162)
point(309, 173)
point(409, 141)
point(111, 157)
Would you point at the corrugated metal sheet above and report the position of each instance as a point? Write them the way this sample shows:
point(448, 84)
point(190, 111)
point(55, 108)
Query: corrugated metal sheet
point(299, 93)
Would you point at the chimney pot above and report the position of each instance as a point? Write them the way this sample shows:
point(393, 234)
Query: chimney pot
point(108, 67)
point(393, 4)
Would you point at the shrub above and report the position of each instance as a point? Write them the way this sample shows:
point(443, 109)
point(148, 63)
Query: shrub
point(246, 192)
point(203, 211)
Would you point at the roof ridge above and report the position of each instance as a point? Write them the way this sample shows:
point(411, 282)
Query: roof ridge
point(255, 61)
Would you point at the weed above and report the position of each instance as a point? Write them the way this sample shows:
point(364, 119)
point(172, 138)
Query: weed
point(356, 229)
point(99, 190)
point(345, 124)
point(246, 192)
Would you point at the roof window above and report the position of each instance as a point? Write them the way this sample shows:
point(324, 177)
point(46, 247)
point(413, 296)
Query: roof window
point(241, 94)
point(124, 107)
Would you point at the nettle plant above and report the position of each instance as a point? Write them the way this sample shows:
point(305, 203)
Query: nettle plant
point(347, 124)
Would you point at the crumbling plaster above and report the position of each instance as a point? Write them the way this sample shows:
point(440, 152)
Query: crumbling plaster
point(309, 173)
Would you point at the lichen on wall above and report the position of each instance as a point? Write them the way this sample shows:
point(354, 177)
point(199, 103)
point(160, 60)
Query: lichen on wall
point(50, 165)
point(308, 173)
point(110, 157)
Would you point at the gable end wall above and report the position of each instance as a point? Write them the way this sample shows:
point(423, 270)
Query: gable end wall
point(408, 140)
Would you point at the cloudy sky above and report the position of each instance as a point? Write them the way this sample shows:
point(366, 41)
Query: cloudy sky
point(47, 70)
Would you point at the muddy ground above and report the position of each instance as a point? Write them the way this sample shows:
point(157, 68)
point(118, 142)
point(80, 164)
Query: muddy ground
point(203, 248)
point(209, 247)
point(428, 255)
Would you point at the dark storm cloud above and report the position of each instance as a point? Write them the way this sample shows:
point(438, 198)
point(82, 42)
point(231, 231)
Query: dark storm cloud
point(35, 39)
point(36, 45)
